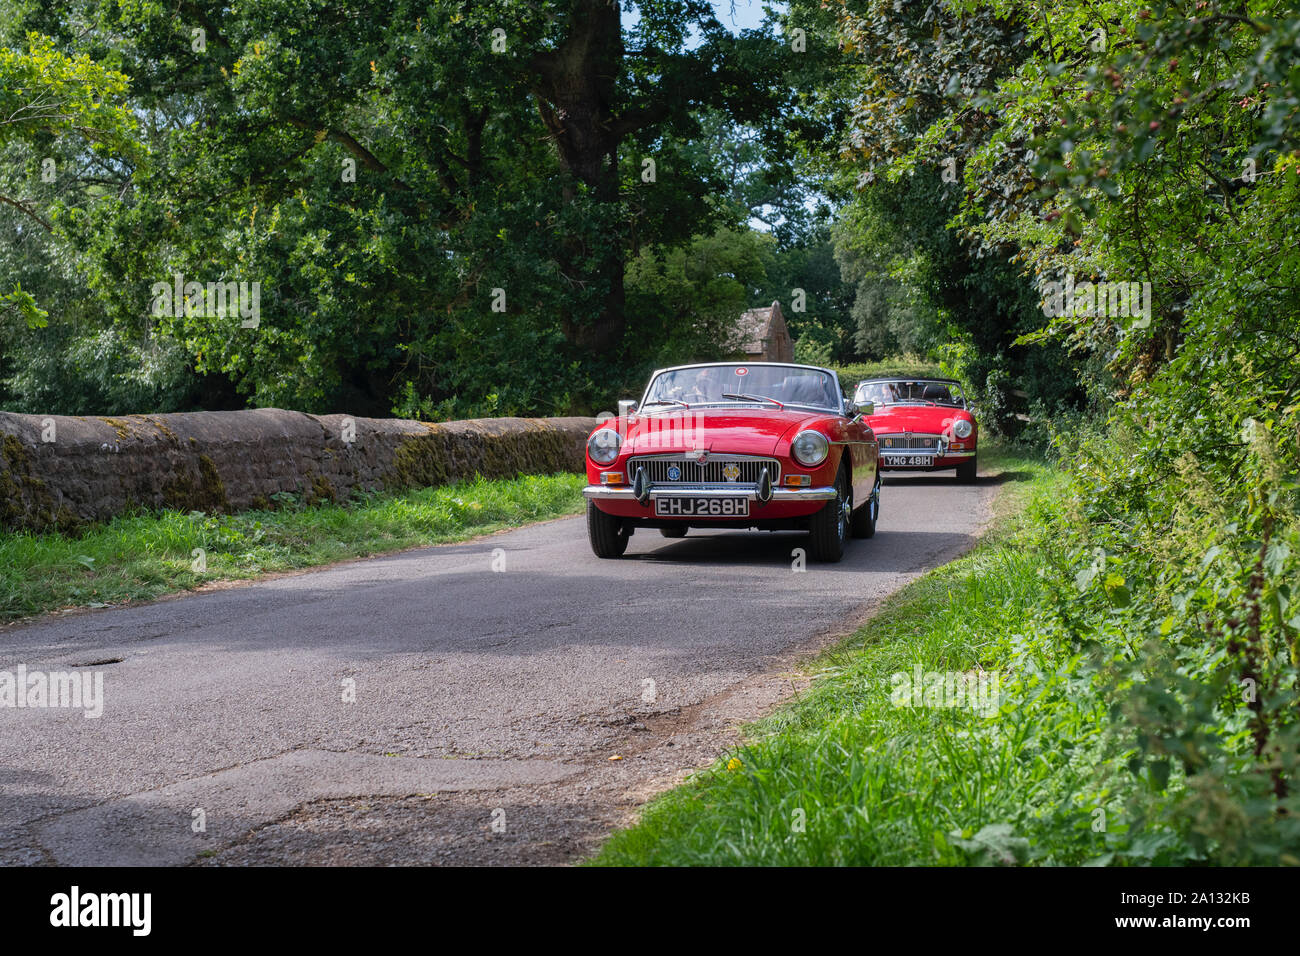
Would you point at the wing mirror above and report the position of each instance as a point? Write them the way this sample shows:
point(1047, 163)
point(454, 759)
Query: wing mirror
point(866, 408)
point(626, 407)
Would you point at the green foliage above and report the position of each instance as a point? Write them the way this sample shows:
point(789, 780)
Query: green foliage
point(1146, 695)
point(1163, 151)
point(910, 128)
point(24, 304)
point(815, 345)
point(399, 181)
point(1143, 611)
point(68, 130)
point(891, 312)
point(687, 299)
point(46, 94)
point(1177, 571)
point(140, 557)
point(851, 375)
point(844, 775)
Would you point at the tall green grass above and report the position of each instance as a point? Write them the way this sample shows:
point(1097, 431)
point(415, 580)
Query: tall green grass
point(843, 775)
point(143, 556)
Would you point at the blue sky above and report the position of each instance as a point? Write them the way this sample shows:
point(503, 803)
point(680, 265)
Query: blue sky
point(748, 14)
point(737, 16)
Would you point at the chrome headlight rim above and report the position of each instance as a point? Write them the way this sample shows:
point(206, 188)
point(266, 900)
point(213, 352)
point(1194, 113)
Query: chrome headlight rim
point(821, 448)
point(604, 452)
point(963, 428)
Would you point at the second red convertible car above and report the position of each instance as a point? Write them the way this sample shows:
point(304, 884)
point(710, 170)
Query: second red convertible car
point(735, 445)
point(922, 424)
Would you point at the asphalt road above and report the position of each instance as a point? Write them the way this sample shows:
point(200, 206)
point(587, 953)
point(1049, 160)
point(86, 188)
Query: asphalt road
point(520, 655)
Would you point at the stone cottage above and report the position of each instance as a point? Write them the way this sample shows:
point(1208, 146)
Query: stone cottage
point(763, 336)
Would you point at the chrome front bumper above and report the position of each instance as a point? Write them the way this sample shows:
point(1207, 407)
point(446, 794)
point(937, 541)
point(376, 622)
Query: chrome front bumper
point(924, 452)
point(624, 493)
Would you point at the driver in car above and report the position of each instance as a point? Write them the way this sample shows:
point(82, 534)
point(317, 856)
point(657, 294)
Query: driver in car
point(707, 387)
point(881, 394)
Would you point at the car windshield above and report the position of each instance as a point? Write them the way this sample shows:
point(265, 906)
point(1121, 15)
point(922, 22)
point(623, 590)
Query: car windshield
point(911, 392)
point(712, 384)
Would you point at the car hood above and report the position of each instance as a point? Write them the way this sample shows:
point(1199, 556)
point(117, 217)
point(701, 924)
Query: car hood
point(740, 431)
point(932, 419)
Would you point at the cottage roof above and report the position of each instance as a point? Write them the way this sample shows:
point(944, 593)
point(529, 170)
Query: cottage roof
point(755, 328)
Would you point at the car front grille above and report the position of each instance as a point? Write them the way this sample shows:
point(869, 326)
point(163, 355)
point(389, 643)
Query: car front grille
point(901, 442)
point(658, 470)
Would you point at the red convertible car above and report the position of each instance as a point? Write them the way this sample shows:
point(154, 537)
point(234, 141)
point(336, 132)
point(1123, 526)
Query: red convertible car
point(735, 445)
point(922, 424)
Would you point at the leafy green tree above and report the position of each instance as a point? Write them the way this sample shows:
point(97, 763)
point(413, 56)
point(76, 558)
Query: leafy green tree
point(909, 137)
point(1151, 146)
point(460, 183)
point(695, 293)
point(46, 99)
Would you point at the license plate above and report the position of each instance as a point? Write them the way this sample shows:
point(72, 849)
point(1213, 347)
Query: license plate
point(907, 461)
point(674, 507)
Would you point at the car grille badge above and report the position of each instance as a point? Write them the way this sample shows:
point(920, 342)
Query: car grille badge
point(731, 471)
point(641, 487)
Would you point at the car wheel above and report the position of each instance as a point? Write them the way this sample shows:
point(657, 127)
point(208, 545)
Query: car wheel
point(865, 518)
point(966, 471)
point(829, 529)
point(606, 533)
point(676, 531)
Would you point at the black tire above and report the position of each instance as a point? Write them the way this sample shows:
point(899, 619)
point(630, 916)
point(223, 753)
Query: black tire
point(864, 520)
point(828, 531)
point(676, 531)
point(608, 539)
point(967, 471)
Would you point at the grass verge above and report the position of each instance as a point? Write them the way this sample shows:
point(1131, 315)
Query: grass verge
point(140, 557)
point(850, 773)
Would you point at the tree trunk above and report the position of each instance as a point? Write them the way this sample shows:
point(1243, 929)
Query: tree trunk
point(575, 95)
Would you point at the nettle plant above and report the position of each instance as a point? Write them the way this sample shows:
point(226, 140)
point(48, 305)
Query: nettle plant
point(1184, 593)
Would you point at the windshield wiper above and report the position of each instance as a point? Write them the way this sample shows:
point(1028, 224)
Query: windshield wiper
point(666, 401)
point(753, 398)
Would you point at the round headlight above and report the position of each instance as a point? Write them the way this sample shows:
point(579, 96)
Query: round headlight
point(962, 428)
point(603, 446)
point(810, 448)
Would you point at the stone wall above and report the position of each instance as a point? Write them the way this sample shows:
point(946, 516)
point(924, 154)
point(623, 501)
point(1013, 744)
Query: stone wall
point(61, 472)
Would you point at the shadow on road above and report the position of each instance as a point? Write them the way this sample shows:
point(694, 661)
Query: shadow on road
point(943, 480)
point(735, 550)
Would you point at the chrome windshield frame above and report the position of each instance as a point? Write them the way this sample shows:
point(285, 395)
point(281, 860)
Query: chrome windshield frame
point(835, 380)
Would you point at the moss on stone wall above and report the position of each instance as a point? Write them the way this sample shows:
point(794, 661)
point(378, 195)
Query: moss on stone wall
point(12, 505)
point(321, 491)
point(444, 455)
point(27, 502)
point(123, 429)
point(202, 492)
point(418, 461)
point(161, 425)
point(243, 459)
